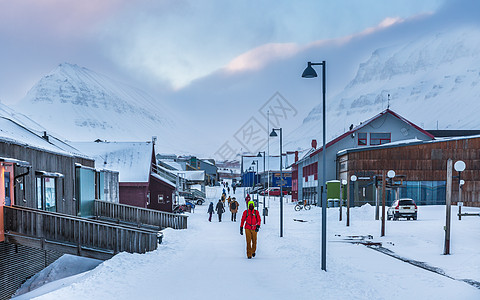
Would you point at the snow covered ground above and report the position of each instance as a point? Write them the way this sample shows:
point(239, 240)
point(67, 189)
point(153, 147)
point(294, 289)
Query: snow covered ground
point(208, 260)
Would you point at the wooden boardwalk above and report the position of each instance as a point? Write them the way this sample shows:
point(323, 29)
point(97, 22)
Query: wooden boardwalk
point(75, 235)
point(141, 217)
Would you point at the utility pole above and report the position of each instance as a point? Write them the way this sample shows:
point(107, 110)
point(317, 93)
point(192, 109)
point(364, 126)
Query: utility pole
point(384, 183)
point(446, 249)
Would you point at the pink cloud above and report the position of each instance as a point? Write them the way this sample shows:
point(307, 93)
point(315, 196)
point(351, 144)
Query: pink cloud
point(259, 57)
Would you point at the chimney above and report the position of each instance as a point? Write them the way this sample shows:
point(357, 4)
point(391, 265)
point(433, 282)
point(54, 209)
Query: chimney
point(296, 156)
point(314, 144)
point(45, 136)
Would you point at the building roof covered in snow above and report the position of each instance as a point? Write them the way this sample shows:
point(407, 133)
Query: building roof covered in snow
point(15, 133)
point(133, 160)
point(19, 129)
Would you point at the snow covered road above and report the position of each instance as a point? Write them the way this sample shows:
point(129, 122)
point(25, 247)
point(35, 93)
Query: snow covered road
point(208, 261)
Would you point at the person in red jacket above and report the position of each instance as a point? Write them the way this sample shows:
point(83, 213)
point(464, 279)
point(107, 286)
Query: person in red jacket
point(251, 221)
point(247, 199)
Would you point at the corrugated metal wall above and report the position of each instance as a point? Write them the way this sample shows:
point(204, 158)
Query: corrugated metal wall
point(18, 263)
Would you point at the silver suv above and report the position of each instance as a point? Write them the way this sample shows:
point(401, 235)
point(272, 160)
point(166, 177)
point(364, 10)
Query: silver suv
point(402, 208)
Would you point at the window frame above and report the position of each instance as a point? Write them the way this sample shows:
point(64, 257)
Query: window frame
point(362, 139)
point(41, 192)
point(381, 141)
point(161, 199)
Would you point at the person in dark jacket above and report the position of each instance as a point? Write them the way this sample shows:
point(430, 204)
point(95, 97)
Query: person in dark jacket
point(210, 211)
point(251, 221)
point(234, 209)
point(220, 210)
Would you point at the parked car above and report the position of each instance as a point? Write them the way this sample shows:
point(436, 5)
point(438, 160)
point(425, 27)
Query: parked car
point(273, 191)
point(402, 208)
point(190, 196)
point(257, 189)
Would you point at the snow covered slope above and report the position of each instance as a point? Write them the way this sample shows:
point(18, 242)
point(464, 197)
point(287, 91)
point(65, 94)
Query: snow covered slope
point(83, 105)
point(433, 78)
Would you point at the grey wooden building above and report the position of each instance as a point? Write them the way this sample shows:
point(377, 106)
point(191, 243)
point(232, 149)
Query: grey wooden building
point(386, 127)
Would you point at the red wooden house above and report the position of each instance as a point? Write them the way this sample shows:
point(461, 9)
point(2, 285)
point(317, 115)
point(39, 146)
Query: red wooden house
point(139, 183)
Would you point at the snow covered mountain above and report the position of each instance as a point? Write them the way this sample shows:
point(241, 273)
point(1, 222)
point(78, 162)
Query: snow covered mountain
point(82, 105)
point(432, 80)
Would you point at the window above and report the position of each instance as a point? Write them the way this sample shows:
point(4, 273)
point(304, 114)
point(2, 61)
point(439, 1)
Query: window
point(362, 138)
point(160, 199)
point(46, 193)
point(379, 138)
point(39, 193)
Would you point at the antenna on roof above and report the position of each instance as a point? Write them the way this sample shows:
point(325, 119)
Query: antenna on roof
point(388, 105)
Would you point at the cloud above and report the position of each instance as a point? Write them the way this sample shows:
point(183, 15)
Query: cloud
point(54, 18)
point(259, 57)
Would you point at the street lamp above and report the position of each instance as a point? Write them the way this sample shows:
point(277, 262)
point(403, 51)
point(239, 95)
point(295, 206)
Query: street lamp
point(343, 184)
point(459, 166)
point(309, 72)
point(243, 183)
point(255, 177)
point(354, 179)
point(391, 175)
point(268, 184)
point(274, 134)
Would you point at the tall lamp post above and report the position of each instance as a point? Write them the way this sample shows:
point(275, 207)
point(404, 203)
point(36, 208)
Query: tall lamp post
point(353, 179)
point(390, 174)
point(309, 72)
point(343, 185)
point(273, 134)
point(459, 167)
point(268, 184)
point(255, 177)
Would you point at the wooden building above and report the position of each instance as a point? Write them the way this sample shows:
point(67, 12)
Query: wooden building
point(423, 165)
point(384, 128)
point(35, 172)
point(139, 182)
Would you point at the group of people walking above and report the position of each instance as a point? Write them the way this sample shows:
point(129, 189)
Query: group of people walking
point(250, 222)
point(220, 209)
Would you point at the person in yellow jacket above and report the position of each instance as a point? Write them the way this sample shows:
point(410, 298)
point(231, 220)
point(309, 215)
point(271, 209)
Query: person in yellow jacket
point(251, 221)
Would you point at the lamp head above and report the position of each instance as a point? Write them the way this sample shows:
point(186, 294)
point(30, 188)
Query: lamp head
point(259, 154)
point(391, 174)
point(273, 133)
point(459, 166)
point(353, 178)
point(309, 72)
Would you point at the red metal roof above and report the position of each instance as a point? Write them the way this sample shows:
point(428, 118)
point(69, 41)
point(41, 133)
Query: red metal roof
point(386, 111)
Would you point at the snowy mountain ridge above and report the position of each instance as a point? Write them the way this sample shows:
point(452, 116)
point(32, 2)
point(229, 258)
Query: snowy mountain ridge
point(83, 105)
point(71, 84)
point(432, 81)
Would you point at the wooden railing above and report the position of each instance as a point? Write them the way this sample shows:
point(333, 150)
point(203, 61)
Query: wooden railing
point(139, 216)
point(82, 236)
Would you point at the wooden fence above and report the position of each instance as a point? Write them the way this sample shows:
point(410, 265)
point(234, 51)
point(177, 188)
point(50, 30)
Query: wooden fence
point(75, 235)
point(139, 216)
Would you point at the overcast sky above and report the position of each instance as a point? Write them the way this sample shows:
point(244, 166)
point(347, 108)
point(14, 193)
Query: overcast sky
point(162, 46)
